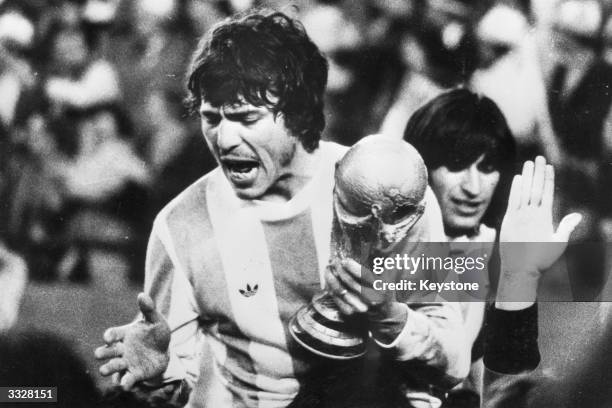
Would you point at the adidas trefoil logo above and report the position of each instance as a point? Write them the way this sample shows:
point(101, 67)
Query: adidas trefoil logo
point(250, 291)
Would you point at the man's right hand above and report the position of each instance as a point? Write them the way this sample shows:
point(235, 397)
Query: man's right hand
point(137, 351)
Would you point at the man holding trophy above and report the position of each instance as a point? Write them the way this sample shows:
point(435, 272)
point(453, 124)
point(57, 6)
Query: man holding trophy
point(240, 252)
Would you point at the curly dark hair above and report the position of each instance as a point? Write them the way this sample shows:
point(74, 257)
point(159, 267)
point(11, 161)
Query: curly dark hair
point(455, 129)
point(266, 59)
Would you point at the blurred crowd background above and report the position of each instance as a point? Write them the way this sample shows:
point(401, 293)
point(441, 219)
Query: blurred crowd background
point(95, 139)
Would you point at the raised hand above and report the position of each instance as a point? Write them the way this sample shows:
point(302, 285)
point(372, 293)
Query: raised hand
point(529, 214)
point(137, 351)
point(529, 243)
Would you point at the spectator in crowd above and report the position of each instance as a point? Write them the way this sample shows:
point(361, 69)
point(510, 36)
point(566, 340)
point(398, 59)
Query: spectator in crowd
point(107, 178)
point(77, 79)
point(63, 43)
point(151, 50)
point(33, 194)
point(16, 80)
point(105, 162)
point(16, 37)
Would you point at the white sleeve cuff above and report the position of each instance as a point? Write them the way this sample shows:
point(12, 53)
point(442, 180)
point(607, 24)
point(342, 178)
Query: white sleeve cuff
point(395, 342)
point(414, 341)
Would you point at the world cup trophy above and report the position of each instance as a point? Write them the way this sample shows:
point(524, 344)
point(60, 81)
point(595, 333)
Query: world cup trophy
point(378, 197)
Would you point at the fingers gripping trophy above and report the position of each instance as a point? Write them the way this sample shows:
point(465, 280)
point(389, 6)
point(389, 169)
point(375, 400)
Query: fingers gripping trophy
point(378, 197)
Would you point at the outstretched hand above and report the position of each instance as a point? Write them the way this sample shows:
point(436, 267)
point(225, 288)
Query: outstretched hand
point(137, 351)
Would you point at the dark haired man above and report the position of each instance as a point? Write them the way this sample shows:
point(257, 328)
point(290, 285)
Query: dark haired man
point(469, 151)
point(239, 251)
point(470, 154)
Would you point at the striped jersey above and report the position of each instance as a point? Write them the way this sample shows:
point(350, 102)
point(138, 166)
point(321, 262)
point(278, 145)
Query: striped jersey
point(233, 272)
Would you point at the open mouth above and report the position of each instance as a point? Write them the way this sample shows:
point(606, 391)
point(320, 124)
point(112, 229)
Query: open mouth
point(240, 171)
point(467, 207)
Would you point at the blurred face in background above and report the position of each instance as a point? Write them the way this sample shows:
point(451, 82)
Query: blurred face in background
point(501, 30)
point(69, 13)
point(339, 38)
point(203, 14)
point(464, 194)
point(150, 14)
point(576, 26)
point(70, 49)
point(96, 130)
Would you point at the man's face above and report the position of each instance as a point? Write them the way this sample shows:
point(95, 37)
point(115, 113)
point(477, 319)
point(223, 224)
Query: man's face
point(464, 194)
point(254, 149)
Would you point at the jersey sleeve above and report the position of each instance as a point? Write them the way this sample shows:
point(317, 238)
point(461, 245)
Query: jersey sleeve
point(168, 285)
point(433, 339)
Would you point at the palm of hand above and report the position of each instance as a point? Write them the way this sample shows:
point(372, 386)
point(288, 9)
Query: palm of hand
point(527, 237)
point(137, 351)
point(527, 225)
point(528, 240)
point(146, 349)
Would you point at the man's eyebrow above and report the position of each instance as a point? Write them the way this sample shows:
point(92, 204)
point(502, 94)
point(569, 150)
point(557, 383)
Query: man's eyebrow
point(235, 112)
point(241, 110)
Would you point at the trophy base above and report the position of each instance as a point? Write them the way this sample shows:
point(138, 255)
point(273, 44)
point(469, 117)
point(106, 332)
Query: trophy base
point(326, 337)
